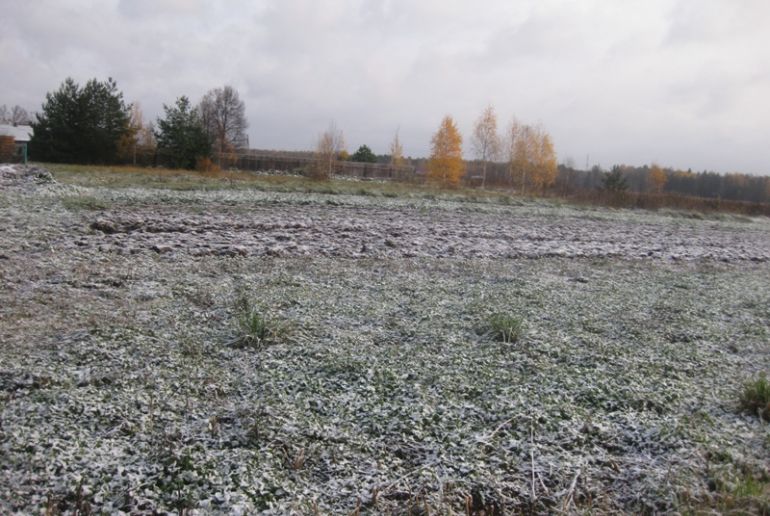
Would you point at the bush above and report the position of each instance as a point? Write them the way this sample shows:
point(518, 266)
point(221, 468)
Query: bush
point(204, 164)
point(755, 398)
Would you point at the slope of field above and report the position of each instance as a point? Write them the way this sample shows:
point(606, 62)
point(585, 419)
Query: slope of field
point(126, 384)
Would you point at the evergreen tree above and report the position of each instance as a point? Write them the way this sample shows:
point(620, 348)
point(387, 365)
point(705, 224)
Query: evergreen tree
point(181, 136)
point(614, 180)
point(364, 155)
point(81, 125)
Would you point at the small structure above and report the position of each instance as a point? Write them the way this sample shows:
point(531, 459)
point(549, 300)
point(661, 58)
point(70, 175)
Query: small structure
point(21, 135)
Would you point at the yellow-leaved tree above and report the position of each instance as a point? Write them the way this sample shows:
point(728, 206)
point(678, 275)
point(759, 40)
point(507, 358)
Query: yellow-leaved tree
point(127, 144)
point(138, 138)
point(532, 158)
point(446, 163)
point(545, 166)
point(656, 178)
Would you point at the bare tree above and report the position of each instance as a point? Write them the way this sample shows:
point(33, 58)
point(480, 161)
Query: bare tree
point(396, 152)
point(330, 143)
point(519, 152)
point(485, 141)
point(223, 115)
point(17, 115)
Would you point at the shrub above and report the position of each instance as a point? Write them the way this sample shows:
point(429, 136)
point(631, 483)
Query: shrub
point(204, 164)
point(755, 397)
point(506, 327)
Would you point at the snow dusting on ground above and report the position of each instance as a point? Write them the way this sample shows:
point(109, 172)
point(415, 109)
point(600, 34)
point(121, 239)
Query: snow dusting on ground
point(121, 388)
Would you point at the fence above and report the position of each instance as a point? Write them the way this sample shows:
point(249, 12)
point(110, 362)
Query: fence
point(296, 162)
point(301, 162)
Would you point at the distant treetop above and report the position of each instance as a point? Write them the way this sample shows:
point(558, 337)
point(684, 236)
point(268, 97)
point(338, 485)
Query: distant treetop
point(364, 155)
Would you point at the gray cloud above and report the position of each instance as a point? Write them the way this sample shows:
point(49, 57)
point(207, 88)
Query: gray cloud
point(682, 83)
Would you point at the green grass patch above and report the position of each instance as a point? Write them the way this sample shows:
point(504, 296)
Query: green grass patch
point(174, 179)
point(506, 327)
point(755, 397)
point(255, 329)
point(84, 202)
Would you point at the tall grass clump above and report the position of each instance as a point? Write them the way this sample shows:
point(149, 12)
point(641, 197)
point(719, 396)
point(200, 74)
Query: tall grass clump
point(755, 397)
point(255, 329)
point(506, 327)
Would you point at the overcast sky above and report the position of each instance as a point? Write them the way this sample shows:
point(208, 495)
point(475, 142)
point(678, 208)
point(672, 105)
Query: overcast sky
point(685, 83)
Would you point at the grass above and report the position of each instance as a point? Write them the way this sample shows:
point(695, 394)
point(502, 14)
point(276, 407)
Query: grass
point(172, 179)
point(391, 388)
point(256, 330)
point(747, 494)
point(755, 398)
point(506, 327)
point(84, 203)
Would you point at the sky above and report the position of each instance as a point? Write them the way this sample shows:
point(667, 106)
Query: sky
point(683, 83)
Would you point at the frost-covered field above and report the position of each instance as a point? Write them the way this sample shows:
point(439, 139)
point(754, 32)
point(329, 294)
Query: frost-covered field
point(122, 389)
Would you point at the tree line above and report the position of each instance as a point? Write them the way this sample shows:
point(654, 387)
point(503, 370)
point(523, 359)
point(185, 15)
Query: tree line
point(528, 150)
point(655, 179)
point(94, 124)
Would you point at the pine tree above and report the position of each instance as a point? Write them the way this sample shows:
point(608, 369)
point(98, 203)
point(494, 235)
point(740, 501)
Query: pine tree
point(181, 136)
point(364, 155)
point(614, 181)
point(81, 125)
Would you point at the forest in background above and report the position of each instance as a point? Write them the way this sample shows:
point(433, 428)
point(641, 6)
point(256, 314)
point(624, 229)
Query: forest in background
point(93, 124)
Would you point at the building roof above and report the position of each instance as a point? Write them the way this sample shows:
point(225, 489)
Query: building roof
point(20, 133)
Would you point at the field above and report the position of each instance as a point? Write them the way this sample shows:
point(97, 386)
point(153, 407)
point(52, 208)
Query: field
point(187, 343)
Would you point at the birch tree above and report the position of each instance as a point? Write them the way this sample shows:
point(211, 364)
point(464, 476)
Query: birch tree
point(531, 157)
point(396, 152)
point(330, 143)
point(544, 166)
point(485, 141)
point(656, 178)
point(446, 160)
